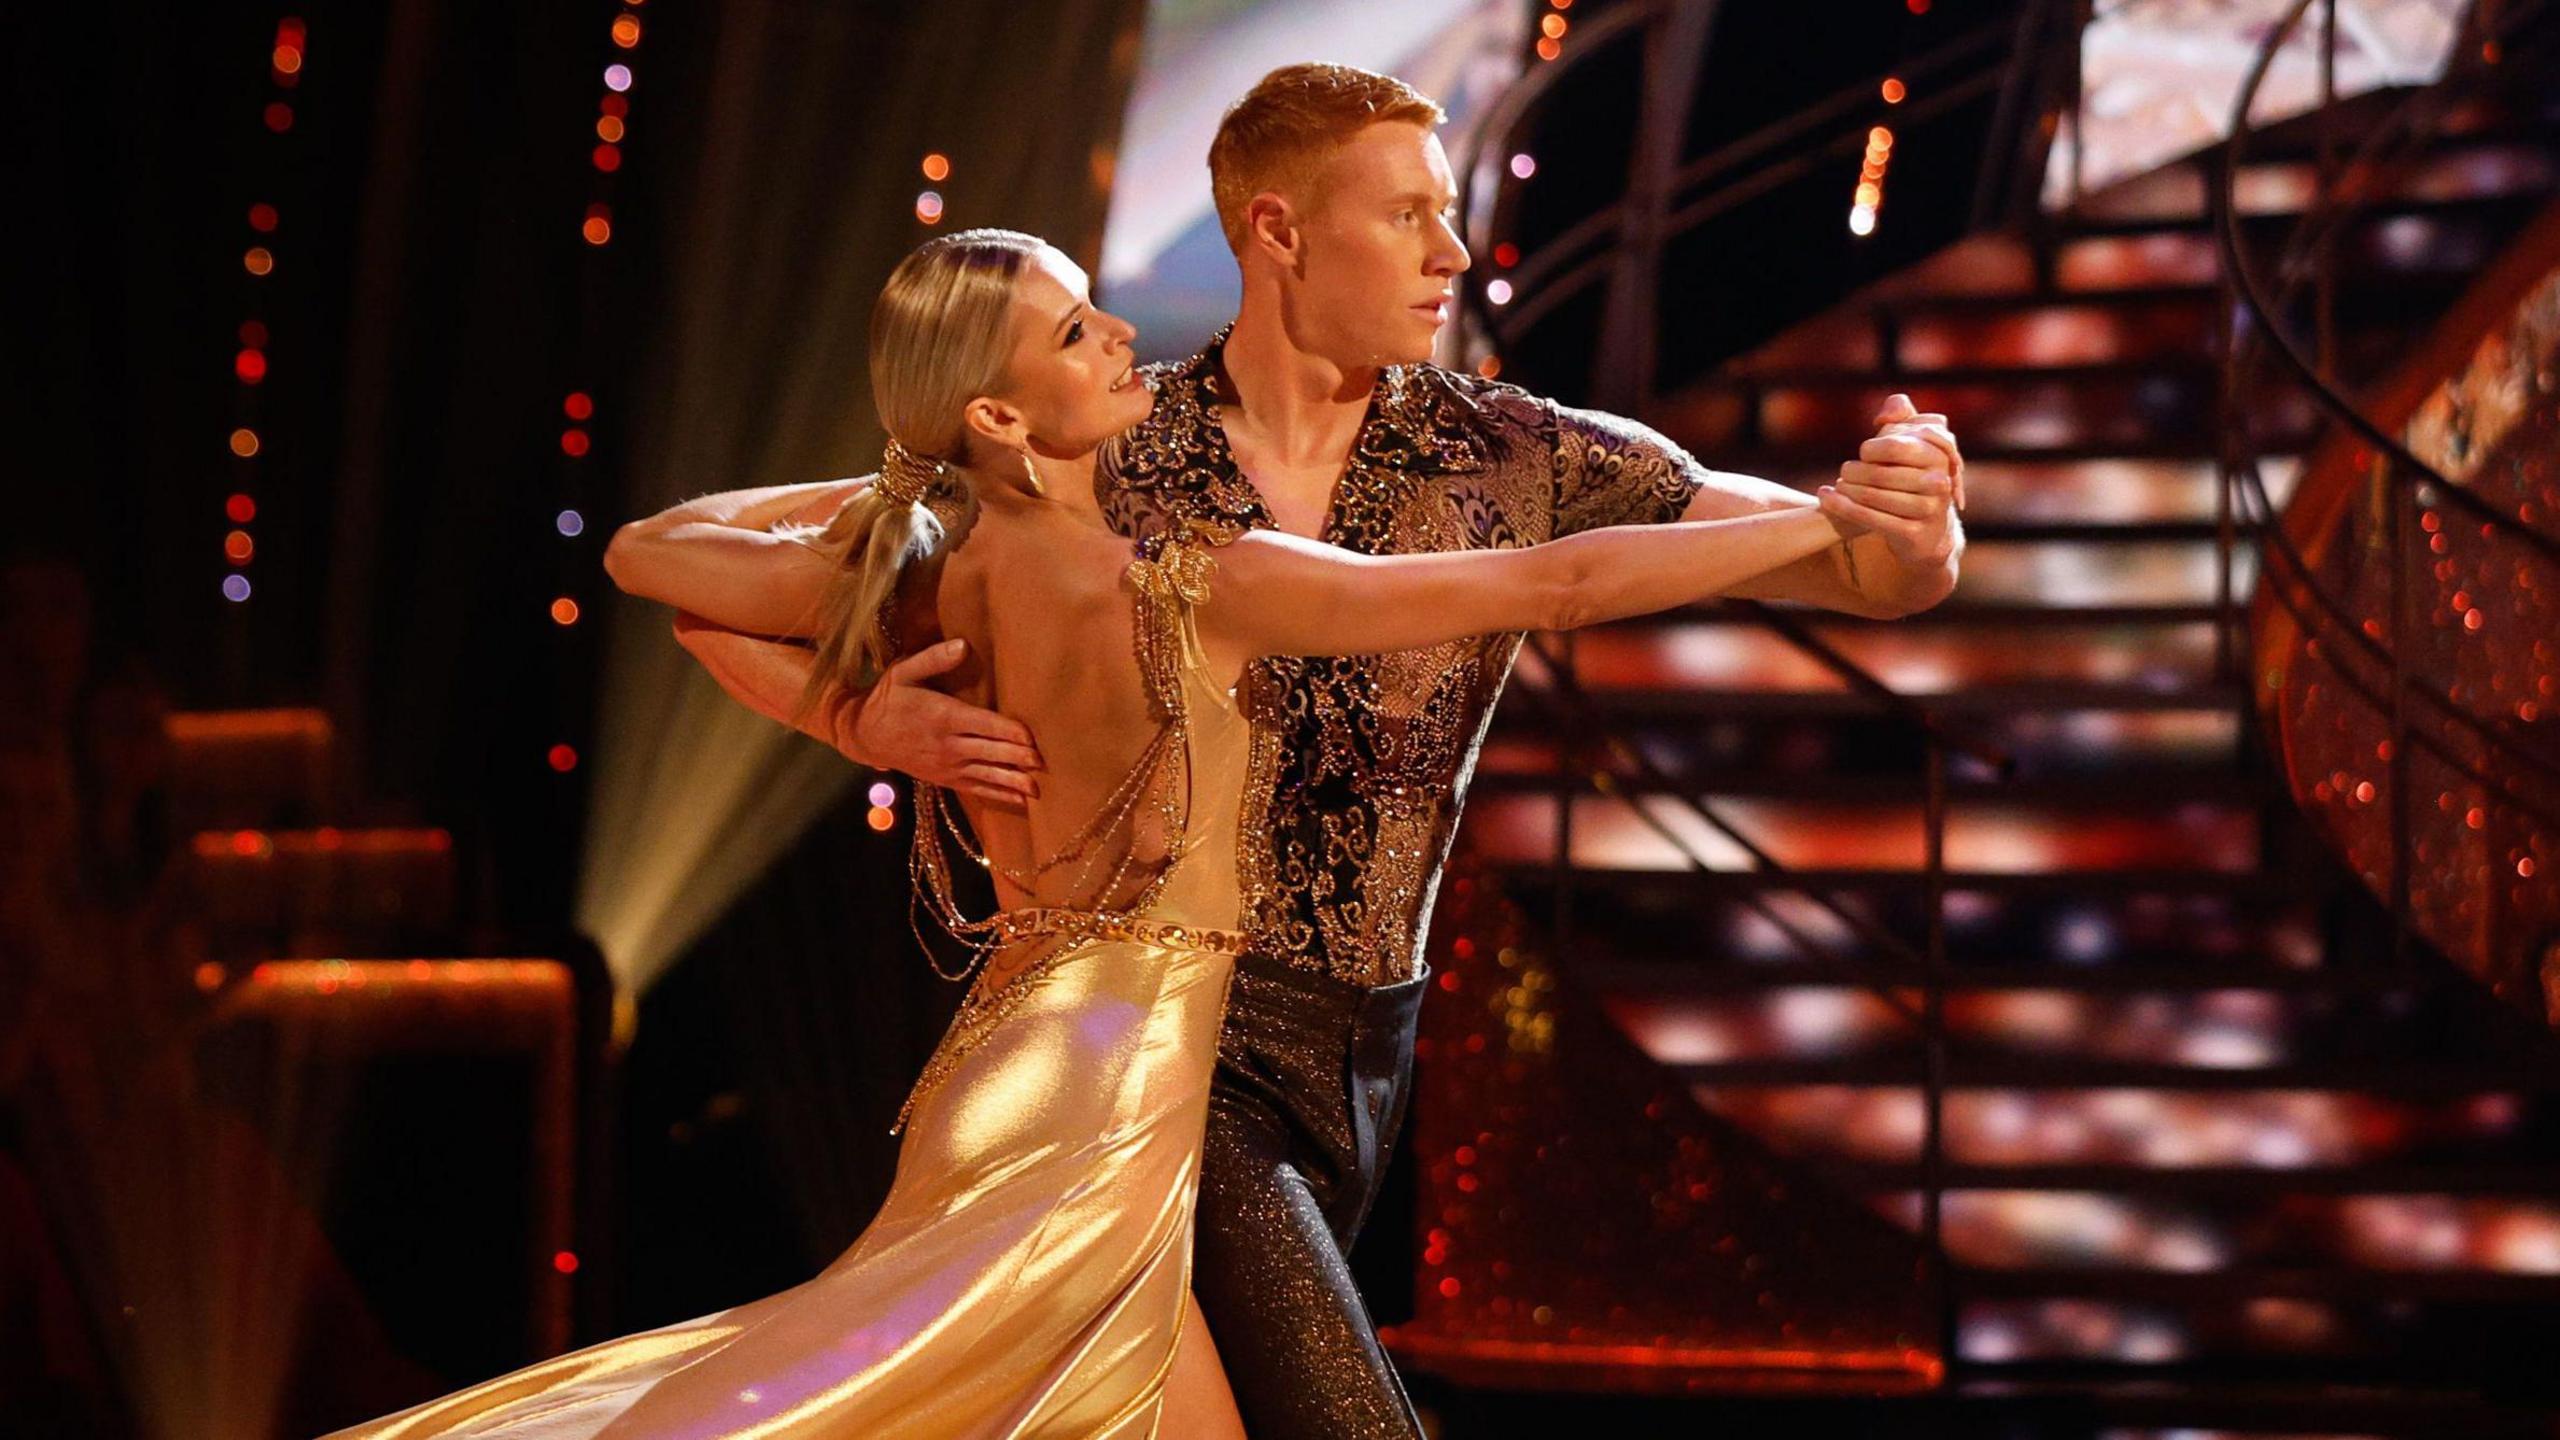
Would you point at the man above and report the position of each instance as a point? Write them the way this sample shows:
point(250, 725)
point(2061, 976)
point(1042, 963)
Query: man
point(1315, 412)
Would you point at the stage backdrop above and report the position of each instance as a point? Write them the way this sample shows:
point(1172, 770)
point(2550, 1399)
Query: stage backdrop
point(803, 189)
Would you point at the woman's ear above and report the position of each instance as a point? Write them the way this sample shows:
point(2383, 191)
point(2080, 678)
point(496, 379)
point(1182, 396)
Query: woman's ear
point(996, 421)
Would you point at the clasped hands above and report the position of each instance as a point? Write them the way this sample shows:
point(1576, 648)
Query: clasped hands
point(1907, 484)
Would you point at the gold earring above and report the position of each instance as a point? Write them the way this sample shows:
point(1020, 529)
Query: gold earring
point(1032, 473)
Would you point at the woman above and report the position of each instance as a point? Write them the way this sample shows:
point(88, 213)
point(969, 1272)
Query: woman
point(1028, 1273)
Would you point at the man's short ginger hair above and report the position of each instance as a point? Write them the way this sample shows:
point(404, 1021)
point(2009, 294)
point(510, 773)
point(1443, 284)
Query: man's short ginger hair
point(1275, 138)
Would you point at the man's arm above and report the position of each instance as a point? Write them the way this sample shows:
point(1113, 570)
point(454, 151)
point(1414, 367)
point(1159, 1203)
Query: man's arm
point(718, 556)
point(1902, 493)
point(1904, 489)
point(897, 725)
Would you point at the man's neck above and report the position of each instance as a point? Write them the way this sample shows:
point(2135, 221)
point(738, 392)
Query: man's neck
point(1299, 408)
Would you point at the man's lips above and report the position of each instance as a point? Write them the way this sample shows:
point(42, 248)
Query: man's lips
point(1437, 309)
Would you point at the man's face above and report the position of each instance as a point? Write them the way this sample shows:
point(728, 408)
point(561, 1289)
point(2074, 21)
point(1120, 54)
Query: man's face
point(1379, 251)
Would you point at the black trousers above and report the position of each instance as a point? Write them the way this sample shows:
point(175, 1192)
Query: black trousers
point(1309, 1094)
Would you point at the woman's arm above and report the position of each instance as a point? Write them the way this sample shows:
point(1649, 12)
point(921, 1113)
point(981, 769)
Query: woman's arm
point(898, 724)
point(718, 557)
point(1277, 594)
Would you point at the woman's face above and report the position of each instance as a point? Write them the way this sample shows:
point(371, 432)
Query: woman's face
point(1071, 374)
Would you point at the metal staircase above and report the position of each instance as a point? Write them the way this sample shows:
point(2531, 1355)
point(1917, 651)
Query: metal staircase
point(1997, 920)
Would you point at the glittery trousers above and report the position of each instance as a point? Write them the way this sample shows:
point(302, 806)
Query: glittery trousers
point(1309, 1093)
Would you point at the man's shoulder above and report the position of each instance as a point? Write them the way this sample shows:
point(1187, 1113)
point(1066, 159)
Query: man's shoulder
point(1487, 400)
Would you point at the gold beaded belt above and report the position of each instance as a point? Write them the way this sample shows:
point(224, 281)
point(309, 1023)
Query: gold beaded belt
point(1008, 926)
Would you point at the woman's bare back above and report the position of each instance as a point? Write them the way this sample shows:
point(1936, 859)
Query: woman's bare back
point(1043, 602)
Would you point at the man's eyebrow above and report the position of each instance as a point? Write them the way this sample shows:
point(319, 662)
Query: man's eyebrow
point(1425, 197)
point(1069, 318)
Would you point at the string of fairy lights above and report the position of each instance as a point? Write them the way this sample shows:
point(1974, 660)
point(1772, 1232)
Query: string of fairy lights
point(611, 129)
point(249, 363)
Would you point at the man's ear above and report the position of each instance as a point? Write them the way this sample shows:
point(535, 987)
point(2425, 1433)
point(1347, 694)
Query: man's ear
point(997, 421)
point(1271, 226)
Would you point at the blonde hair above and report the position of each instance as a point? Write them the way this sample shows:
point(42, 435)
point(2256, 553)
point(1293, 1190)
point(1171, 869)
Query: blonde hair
point(1275, 138)
point(939, 339)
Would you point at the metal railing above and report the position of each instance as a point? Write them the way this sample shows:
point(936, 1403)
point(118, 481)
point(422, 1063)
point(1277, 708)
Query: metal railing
point(2404, 484)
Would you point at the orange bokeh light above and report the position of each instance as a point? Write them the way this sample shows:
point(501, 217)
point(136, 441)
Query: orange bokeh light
point(937, 166)
point(258, 261)
point(609, 129)
point(237, 547)
point(564, 611)
point(244, 442)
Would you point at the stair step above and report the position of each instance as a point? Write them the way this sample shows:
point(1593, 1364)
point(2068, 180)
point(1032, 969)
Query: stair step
point(1658, 888)
point(1871, 743)
point(2538, 1177)
point(1680, 666)
point(280, 893)
point(2489, 169)
point(1823, 458)
point(1869, 1135)
point(2002, 697)
point(1875, 835)
point(235, 768)
point(2222, 1029)
point(2426, 242)
point(1513, 773)
point(1970, 975)
point(2036, 1073)
point(2357, 1233)
point(1989, 610)
point(2217, 1405)
point(2112, 409)
point(2307, 1283)
point(2120, 572)
point(2454, 212)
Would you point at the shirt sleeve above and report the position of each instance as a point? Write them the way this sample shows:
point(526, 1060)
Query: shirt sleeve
point(1614, 471)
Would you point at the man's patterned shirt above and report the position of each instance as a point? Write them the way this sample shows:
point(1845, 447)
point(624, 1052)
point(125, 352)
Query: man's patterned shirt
point(1361, 762)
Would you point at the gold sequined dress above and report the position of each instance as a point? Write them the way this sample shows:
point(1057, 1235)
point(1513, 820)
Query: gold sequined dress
point(1027, 1274)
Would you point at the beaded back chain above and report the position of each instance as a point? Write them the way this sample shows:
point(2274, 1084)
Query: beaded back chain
point(1170, 575)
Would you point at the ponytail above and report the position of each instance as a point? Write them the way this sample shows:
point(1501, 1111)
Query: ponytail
point(886, 526)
